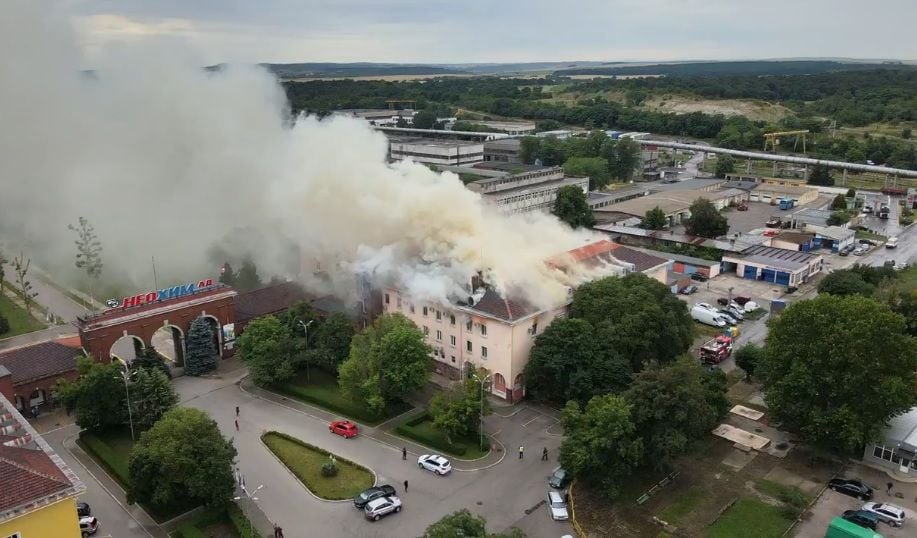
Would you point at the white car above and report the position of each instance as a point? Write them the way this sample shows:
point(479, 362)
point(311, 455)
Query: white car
point(88, 526)
point(557, 505)
point(435, 463)
point(888, 513)
point(708, 306)
point(859, 251)
point(382, 506)
point(892, 242)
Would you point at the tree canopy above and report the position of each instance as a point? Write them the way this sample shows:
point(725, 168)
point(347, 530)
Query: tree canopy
point(845, 282)
point(725, 164)
point(572, 208)
point(705, 220)
point(267, 348)
point(201, 353)
point(182, 459)
point(466, 525)
point(837, 368)
point(839, 202)
point(595, 168)
point(748, 357)
point(654, 219)
point(821, 175)
point(457, 412)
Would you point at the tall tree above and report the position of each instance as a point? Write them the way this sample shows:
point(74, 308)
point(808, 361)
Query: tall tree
point(672, 409)
point(529, 149)
point(457, 412)
point(333, 338)
point(636, 317)
point(88, 252)
point(424, 119)
point(725, 164)
point(571, 207)
point(3, 262)
point(98, 396)
point(705, 220)
point(466, 525)
point(201, 353)
point(227, 275)
point(151, 396)
point(601, 445)
point(150, 359)
point(748, 357)
point(568, 362)
point(21, 267)
point(654, 219)
point(388, 360)
point(265, 347)
point(845, 282)
point(839, 202)
point(182, 459)
point(837, 368)
point(624, 158)
point(821, 175)
point(247, 278)
point(595, 168)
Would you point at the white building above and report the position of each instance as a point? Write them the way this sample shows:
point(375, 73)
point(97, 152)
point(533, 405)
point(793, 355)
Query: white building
point(434, 151)
point(531, 190)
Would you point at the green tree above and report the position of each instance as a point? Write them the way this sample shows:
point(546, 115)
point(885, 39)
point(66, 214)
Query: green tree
point(150, 359)
point(571, 207)
point(201, 354)
point(425, 119)
point(548, 125)
point(601, 445)
point(845, 282)
point(568, 362)
point(839, 202)
point(748, 357)
point(635, 317)
point(333, 339)
point(654, 219)
point(623, 157)
point(97, 396)
point(906, 133)
point(725, 164)
point(671, 409)
point(529, 149)
point(851, 193)
point(464, 524)
point(388, 360)
point(151, 396)
point(182, 460)
point(595, 168)
point(266, 348)
point(705, 220)
point(821, 175)
point(457, 412)
point(837, 368)
point(21, 266)
point(4, 325)
point(88, 251)
point(247, 278)
point(227, 275)
point(838, 218)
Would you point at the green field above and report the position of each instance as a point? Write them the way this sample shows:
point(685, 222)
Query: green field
point(305, 461)
point(321, 388)
point(750, 518)
point(20, 322)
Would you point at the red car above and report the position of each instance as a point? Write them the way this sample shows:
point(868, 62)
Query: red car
point(344, 428)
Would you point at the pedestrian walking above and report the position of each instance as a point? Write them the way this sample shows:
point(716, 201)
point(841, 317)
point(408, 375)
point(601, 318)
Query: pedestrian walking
point(404, 453)
point(888, 488)
point(237, 424)
point(405, 486)
point(521, 451)
point(237, 410)
point(544, 454)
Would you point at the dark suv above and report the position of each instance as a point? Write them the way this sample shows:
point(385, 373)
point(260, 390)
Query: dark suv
point(862, 518)
point(361, 500)
point(854, 488)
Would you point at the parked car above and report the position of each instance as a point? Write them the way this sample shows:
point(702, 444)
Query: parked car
point(344, 428)
point(854, 488)
point(727, 317)
point(741, 300)
point(688, 290)
point(88, 526)
point(708, 306)
point(558, 479)
point(862, 518)
point(859, 251)
point(846, 250)
point(83, 509)
point(371, 494)
point(707, 316)
point(841, 528)
point(699, 277)
point(434, 463)
point(892, 242)
point(557, 504)
point(382, 506)
point(736, 311)
point(887, 513)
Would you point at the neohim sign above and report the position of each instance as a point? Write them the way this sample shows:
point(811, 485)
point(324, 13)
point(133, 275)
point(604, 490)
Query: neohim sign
point(162, 295)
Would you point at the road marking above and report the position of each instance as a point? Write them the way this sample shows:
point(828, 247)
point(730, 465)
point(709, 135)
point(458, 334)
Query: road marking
point(531, 421)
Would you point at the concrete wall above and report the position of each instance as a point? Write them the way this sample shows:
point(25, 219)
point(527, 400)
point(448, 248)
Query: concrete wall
point(56, 520)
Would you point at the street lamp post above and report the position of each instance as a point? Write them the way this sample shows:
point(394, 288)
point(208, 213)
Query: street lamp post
point(251, 497)
point(305, 330)
point(481, 382)
point(125, 376)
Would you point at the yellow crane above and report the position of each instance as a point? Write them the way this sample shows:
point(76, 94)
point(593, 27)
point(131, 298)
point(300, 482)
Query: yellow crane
point(774, 139)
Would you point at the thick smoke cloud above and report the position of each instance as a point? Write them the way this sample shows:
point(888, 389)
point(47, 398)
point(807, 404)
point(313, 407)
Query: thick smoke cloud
point(165, 159)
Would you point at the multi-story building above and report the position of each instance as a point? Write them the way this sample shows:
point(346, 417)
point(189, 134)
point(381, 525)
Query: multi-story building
point(490, 331)
point(534, 189)
point(436, 151)
point(37, 489)
point(504, 150)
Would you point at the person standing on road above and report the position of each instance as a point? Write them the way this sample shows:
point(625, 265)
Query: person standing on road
point(544, 454)
point(405, 486)
point(237, 424)
point(888, 488)
point(521, 451)
point(237, 411)
point(404, 453)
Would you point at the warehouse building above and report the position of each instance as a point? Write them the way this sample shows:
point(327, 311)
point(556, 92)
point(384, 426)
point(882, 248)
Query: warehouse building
point(504, 150)
point(515, 128)
point(896, 450)
point(534, 189)
point(434, 151)
point(770, 190)
point(675, 204)
point(798, 241)
point(771, 264)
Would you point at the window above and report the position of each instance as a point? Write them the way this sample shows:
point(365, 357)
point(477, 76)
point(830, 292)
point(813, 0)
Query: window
point(15, 535)
point(483, 330)
point(535, 327)
point(411, 307)
point(399, 303)
point(439, 336)
point(426, 330)
point(453, 358)
point(439, 316)
point(483, 352)
point(452, 340)
point(386, 298)
point(877, 452)
point(425, 311)
point(452, 319)
point(468, 346)
point(468, 325)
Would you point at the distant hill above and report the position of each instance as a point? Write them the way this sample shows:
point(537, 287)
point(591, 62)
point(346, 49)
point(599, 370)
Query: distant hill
point(361, 69)
point(763, 67)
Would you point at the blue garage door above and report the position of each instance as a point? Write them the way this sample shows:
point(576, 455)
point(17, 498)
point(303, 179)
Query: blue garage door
point(783, 278)
point(751, 272)
point(768, 275)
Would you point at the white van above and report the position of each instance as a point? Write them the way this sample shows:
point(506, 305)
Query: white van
point(707, 317)
point(892, 242)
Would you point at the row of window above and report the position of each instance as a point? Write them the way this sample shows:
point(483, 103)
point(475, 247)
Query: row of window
point(889, 454)
point(426, 310)
point(469, 346)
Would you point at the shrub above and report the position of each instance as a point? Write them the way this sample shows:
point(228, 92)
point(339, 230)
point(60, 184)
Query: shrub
point(329, 469)
point(4, 325)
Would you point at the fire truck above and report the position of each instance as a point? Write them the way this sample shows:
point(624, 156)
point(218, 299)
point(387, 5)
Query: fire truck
point(717, 350)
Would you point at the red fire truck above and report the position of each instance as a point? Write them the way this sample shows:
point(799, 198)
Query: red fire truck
point(717, 350)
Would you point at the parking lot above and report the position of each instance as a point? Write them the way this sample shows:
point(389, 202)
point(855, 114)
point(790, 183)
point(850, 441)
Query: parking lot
point(832, 504)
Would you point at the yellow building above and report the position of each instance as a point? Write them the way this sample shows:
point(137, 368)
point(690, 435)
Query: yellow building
point(37, 489)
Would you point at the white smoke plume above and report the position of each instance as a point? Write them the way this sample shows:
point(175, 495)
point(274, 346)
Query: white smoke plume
point(165, 158)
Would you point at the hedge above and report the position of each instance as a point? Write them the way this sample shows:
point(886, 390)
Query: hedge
point(231, 513)
point(114, 463)
point(436, 441)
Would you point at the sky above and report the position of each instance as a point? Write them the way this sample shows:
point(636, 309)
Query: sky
point(484, 31)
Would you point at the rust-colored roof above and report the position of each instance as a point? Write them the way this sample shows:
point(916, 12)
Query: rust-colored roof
point(605, 251)
point(44, 359)
point(493, 304)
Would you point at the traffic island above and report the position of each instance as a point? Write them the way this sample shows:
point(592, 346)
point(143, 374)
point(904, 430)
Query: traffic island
point(420, 429)
point(306, 462)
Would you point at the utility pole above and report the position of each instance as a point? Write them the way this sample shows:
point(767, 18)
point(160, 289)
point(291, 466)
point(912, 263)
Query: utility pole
point(482, 382)
point(305, 330)
point(125, 376)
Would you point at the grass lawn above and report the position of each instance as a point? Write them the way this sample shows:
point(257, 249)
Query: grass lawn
point(750, 518)
point(683, 505)
point(862, 234)
point(420, 429)
point(306, 463)
point(20, 321)
point(755, 314)
point(112, 450)
point(322, 389)
point(228, 522)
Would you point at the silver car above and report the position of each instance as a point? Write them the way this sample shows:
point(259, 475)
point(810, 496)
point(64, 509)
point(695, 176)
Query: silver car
point(557, 504)
point(888, 513)
point(382, 506)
